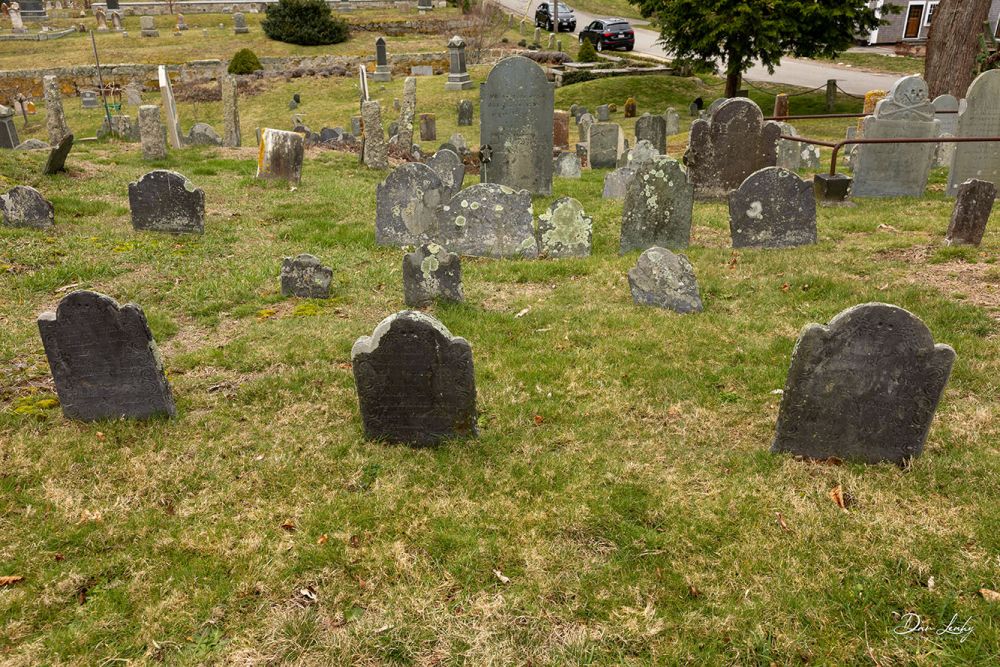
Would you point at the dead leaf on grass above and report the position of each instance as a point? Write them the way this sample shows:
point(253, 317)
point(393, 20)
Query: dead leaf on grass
point(500, 575)
point(837, 495)
point(781, 521)
point(10, 580)
point(989, 596)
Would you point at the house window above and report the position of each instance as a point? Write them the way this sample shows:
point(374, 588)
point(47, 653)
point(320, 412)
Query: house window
point(914, 17)
point(930, 13)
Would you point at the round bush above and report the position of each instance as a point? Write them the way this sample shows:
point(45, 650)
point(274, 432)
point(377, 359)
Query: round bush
point(305, 22)
point(587, 53)
point(244, 62)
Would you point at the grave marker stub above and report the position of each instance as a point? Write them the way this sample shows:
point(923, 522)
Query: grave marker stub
point(973, 205)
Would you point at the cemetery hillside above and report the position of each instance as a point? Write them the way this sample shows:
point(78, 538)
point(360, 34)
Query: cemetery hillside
point(412, 339)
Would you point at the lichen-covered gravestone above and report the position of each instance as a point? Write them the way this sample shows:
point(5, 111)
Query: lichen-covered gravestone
point(616, 182)
point(165, 201)
point(664, 280)
point(280, 156)
point(773, 208)
point(431, 272)
point(24, 206)
point(374, 156)
point(607, 144)
point(449, 168)
point(415, 381)
point(488, 220)
point(152, 134)
point(863, 388)
point(407, 205)
point(659, 201)
point(230, 112)
point(640, 154)
point(104, 360)
point(203, 134)
point(652, 129)
point(305, 276)
point(565, 230)
point(980, 118)
point(728, 146)
point(567, 165)
point(973, 206)
point(55, 117)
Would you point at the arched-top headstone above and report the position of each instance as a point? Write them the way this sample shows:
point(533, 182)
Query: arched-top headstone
point(773, 208)
point(165, 201)
point(659, 200)
point(489, 220)
point(24, 206)
point(407, 203)
point(979, 118)
point(946, 111)
point(449, 167)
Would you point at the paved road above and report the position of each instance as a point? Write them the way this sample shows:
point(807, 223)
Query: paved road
point(792, 71)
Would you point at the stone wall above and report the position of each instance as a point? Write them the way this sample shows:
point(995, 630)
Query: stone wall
point(192, 7)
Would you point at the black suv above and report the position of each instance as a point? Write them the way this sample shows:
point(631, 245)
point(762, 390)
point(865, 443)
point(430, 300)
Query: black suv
point(544, 18)
point(609, 34)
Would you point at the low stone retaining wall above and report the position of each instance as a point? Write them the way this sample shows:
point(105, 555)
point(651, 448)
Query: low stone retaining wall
point(228, 6)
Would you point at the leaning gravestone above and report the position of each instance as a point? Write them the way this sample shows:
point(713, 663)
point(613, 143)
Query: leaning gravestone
point(104, 360)
point(665, 280)
point(449, 168)
point(946, 112)
point(305, 276)
point(24, 206)
point(407, 204)
point(431, 272)
point(165, 201)
point(280, 155)
point(773, 208)
point(564, 230)
point(731, 144)
point(607, 144)
point(567, 165)
point(152, 134)
point(415, 381)
point(980, 118)
point(972, 210)
point(56, 161)
point(863, 388)
point(659, 201)
point(516, 105)
point(169, 107)
point(896, 170)
point(489, 220)
point(652, 129)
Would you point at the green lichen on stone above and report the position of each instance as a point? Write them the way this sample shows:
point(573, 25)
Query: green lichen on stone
point(460, 220)
point(430, 264)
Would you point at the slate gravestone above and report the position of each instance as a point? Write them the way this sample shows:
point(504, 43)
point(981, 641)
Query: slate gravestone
point(203, 134)
point(56, 161)
point(659, 201)
point(24, 206)
point(972, 210)
point(603, 113)
point(731, 144)
point(944, 152)
point(980, 118)
point(946, 113)
point(560, 129)
point(449, 168)
point(489, 220)
point(356, 124)
point(515, 107)
point(464, 112)
point(431, 272)
point(382, 70)
point(305, 276)
point(652, 129)
point(240, 24)
point(407, 203)
point(863, 388)
point(773, 208)
point(789, 153)
point(458, 77)
point(567, 165)
point(88, 100)
point(8, 132)
point(428, 127)
point(374, 153)
point(673, 121)
point(564, 230)
point(640, 154)
point(165, 201)
point(896, 170)
point(152, 134)
point(586, 121)
point(664, 280)
point(415, 381)
point(104, 360)
point(615, 182)
point(280, 156)
point(231, 134)
point(607, 144)
point(147, 27)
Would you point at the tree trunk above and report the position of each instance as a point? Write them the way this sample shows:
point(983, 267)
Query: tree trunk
point(953, 44)
point(733, 80)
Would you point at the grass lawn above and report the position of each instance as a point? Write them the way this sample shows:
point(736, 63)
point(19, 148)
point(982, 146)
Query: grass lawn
point(621, 505)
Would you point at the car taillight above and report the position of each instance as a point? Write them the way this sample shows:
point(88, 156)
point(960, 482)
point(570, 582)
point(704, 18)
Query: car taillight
point(630, 33)
point(607, 34)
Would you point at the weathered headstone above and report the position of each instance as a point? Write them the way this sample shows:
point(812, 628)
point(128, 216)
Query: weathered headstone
point(640, 154)
point(458, 141)
point(616, 182)
point(24, 206)
point(458, 76)
point(147, 27)
point(31, 145)
point(375, 156)
point(8, 131)
point(659, 200)
point(428, 127)
point(104, 360)
point(464, 112)
point(944, 152)
point(133, 94)
point(422, 70)
point(305, 276)
point(584, 123)
point(240, 24)
point(664, 280)
point(654, 130)
point(607, 144)
point(863, 388)
point(415, 381)
point(516, 105)
point(773, 208)
point(169, 107)
point(565, 230)
point(116, 20)
point(165, 201)
point(16, 22)
point(488, 220)
point(567, 165)
point(583, 154)
point(449, 168)
point(231, 136)
point(181, 24)
point(406, 114)
point(429, 273)
point(280, 155)
point(55, 117)
point(973, 206)
point(407, 205)
point(603, 113)
point(152, 134)
point(980, 118)
point(673, 120)
point(203, 134)
point(102, 19)
point(56, 161)
point(88, 100)
point(560, 129)
point(946, 112)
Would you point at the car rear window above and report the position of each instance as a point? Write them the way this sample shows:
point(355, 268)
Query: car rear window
point(619, 27)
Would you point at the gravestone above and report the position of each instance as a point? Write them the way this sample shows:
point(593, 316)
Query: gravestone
point(415, 381)
point(488, 220)
point(664, 280)
point(407, 204)
point(356, 123)
point(88, 100)
point(516, 105)
point(181, 24)
point(152, 134)
point(104, 360)
point(585, 122)
point(583, 154)
point(780, 105)
point(31, 145)
point(406, 114)
point(203, 134)
point(56, 161)
point(55, 117)
point(116, 19)
point(567, 165)
point(305, 276)
point(16, 22)
point(333, 134)
point(24, 206)
point(639, 155)
point(8, 132)
point(458, 141)
point(428, 127)
point(133, 94)
point(607, 144)
point(973, 206)
point(659, 200)
point(280, 155)
point(616, 182)
point(422, 70)
point(169, 107)
point(231, 135)
point(564, 230)
point(560, 129)
point(240, 24)
point(430, 273)
point(980, 118)
point(673, 120)
point(603, 113)
point(863, 388)
point(946, 112)
point(425, 5)
point(449, 168)
point(382, 70)
point(579, 113)
point(165, 201)
point(458, 77)
point(773, 208)
point(374, 156)
point(147, 27)
point(944, 152)
point(896, 170)
point(464, 113)
point(652, 129)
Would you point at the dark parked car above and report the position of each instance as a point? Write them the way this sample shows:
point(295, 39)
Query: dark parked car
point(609, 34)
point(544, 18)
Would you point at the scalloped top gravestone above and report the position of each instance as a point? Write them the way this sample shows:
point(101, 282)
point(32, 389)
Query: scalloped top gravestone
point(104, 360)
point(407, 204)
point(24, 206)
point(664, 280)
point(305, 276)
point(773, 208)
point(565, 230)
point(863, 388)
point(489, 220)
point(449, 168)
point(659, 200)
point(980, 118)
point(515, 108)
point(415, 381)
point(165, 201)
point(949, 119)
point(280, 156)
point(431, 272)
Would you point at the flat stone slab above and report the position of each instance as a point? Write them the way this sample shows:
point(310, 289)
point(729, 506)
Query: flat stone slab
point(407, 205)
point(565, 230)
point(24, 206)
point(773, 208)
point(489, 220)
point(430, 273)
point(665, 280)
point(165, 201)
point(305, 276)
point(659, 202)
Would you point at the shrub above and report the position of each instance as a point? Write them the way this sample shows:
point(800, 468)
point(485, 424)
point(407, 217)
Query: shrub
point(587, 52)
point(305, 22)
point(244, 62)
point(630, 107)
